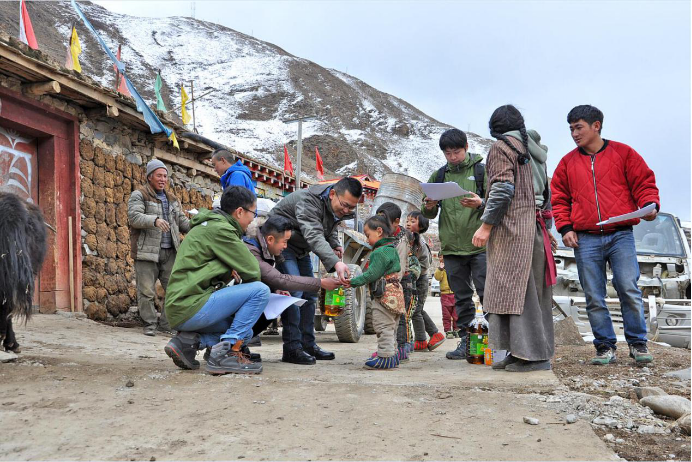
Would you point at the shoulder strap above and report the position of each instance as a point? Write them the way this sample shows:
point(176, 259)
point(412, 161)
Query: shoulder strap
point(440, 177)
point(479, 175)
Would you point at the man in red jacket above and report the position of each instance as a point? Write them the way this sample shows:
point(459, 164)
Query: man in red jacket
point(599, 180)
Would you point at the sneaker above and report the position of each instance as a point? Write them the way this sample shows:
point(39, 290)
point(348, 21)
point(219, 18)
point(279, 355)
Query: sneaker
point(402, 354)
point(182, 349)
point(382, 363)
point(604, 355)
point(450, 334)
point(272, 331)
point(456, 334)
point(229, 359)
point(409, 348)
point(436, 340)
point(254, 357)
point(167, 331)
point(460, 352)
point(640, 353)
point(420, 345)
point(149, 331)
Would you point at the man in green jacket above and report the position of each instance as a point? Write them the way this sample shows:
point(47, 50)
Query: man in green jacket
point(200, 303)
point(459, 219)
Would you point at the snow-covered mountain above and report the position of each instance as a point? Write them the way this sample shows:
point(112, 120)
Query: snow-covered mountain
point(252, 86)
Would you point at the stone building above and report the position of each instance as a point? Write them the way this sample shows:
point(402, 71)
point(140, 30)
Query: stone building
point(78, 150)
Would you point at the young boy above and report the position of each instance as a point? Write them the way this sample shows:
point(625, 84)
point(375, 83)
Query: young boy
point(449, 314)
point(402, 241)
point(422, 324)
point(598, 180)
point(387, 307)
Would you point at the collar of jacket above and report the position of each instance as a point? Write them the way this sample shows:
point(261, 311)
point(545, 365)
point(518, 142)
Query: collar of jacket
point(470, 159)
point(231, 220)
point(384, 241)
point(258, 240)
point(237, 167)
point(328, 204)
point(584, 153)
point(149, 194)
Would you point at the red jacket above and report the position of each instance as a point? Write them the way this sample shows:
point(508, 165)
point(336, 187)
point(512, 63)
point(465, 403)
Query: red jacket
point(589, 189)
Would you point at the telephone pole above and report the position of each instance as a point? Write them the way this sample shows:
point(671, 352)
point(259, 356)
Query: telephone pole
point(300, 144)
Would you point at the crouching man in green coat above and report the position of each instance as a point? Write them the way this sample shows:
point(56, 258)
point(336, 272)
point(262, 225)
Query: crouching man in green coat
point(200, 304)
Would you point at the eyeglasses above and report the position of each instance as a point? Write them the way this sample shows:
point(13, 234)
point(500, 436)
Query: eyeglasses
point(254, 212)
point(346, 206)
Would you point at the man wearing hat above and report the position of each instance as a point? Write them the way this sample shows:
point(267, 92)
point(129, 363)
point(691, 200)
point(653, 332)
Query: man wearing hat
point(156, 221)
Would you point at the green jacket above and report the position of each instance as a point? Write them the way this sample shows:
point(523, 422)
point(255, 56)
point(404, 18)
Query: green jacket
point(206, 257)
point(384, 260)
point(457, 223)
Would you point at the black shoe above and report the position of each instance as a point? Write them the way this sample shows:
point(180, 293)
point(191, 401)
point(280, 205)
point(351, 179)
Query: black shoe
point(298, 356)
point(460, 352)
point(182, 349)
point(320, 354)
point(254, 341)
point(521, 365)
point(509, 359)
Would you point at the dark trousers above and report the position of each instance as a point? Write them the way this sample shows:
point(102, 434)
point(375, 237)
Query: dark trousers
point(461, 270)
point(298, 322)
point(421, 321)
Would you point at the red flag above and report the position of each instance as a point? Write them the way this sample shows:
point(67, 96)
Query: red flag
point(318, 164)
point(288, 166)
point(122, 88)
point(26, 30)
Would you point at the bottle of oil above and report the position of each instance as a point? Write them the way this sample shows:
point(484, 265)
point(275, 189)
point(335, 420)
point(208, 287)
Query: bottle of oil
point(477, 341)
point(334, 302)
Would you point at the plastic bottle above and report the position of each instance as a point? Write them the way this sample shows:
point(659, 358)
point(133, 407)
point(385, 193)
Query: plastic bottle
point(334, 302)
point(477, 338)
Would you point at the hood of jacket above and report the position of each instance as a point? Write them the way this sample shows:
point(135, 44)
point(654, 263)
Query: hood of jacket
point(238, 167)
point(539, 157)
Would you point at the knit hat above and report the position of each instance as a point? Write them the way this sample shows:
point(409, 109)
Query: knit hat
point(155, 164)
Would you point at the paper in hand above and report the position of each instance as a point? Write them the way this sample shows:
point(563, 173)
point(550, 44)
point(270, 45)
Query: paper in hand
point(439, 191)
point(629, 216)
point(278, 303)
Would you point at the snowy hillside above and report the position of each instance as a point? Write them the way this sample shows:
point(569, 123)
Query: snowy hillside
point(254, 87)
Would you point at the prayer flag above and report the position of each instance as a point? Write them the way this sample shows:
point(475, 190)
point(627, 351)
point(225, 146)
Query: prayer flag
point(155, 124)
point(288, 166)
point(75, 51)
point(318, 164)
point(175, 140)
point(26, 30)
point(183, 100)
point(122, 88)
point(157, 89)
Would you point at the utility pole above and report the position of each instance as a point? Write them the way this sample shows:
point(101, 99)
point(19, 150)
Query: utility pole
point(300, 144)
point(192, 92)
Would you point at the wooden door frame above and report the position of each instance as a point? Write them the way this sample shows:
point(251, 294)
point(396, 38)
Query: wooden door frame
point(57, 136)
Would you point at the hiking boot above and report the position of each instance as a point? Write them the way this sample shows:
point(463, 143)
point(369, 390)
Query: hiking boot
point(254, 357)
point(382, 363)
point(150, 330)
point(604, 355)
point(420, 345)
point(521, 365)
point(182, 349)
point(167, 331)
point(436, 340)
point(460, 352)
point(229, 359)
point(456, 334)
point(272, 331)
point(450, 334)
point(500, 365)
point(640, 353)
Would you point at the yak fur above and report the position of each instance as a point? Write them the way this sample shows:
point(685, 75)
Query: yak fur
point(22, 250)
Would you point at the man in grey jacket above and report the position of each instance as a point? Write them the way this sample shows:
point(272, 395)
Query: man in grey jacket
point(314, 213)
point(156, 221)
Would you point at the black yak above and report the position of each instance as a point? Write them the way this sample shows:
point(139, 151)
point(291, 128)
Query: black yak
point(22, 250)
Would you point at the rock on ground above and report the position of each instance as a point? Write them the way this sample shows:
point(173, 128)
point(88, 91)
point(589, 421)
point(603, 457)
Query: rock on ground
point(671, 405)
point(684, 424)
point(567, 333)
point(643, 392)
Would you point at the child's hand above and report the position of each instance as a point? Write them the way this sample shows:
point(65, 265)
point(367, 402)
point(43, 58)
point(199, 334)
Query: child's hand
point(347, 284)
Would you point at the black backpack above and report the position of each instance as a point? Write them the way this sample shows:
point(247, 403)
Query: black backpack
point(478, 174)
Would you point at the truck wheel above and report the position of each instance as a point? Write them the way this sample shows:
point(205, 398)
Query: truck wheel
point(349, 326)
point(321, 322)
point(369, 329)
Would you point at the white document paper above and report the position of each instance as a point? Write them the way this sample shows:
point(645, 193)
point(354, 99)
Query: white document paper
point(439, 191)
point(628, 216)
point(278, 303)
point(193, 211)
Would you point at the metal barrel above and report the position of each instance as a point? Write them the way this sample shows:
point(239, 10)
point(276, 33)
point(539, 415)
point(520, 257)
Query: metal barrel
point(403, 190)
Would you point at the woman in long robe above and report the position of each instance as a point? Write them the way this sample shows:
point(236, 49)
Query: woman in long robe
point(521, 271)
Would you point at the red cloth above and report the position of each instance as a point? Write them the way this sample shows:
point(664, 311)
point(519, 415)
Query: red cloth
point(550, 268)
point(26, 29)
point(318, 164)
point(122, 88)
point(624, 184)
point(449, 312)
point(288, 166)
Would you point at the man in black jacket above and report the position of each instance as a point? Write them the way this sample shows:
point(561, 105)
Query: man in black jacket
point(314, 213)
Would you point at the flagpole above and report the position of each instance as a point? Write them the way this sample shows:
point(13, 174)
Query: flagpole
point(192, 93)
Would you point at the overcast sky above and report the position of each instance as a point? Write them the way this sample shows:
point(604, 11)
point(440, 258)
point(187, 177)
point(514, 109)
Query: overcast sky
point(458, 60)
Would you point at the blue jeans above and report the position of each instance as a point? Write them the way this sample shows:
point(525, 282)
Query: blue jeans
point(298, 322)
point(592, 254)
point(229, 314)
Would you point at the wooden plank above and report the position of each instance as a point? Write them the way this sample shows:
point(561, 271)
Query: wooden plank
point(41, 88)
point(185, 162)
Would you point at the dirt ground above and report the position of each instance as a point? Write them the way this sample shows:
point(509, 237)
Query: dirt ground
point(86, 391)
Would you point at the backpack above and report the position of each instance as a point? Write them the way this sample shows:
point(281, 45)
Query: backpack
point(478, 175)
